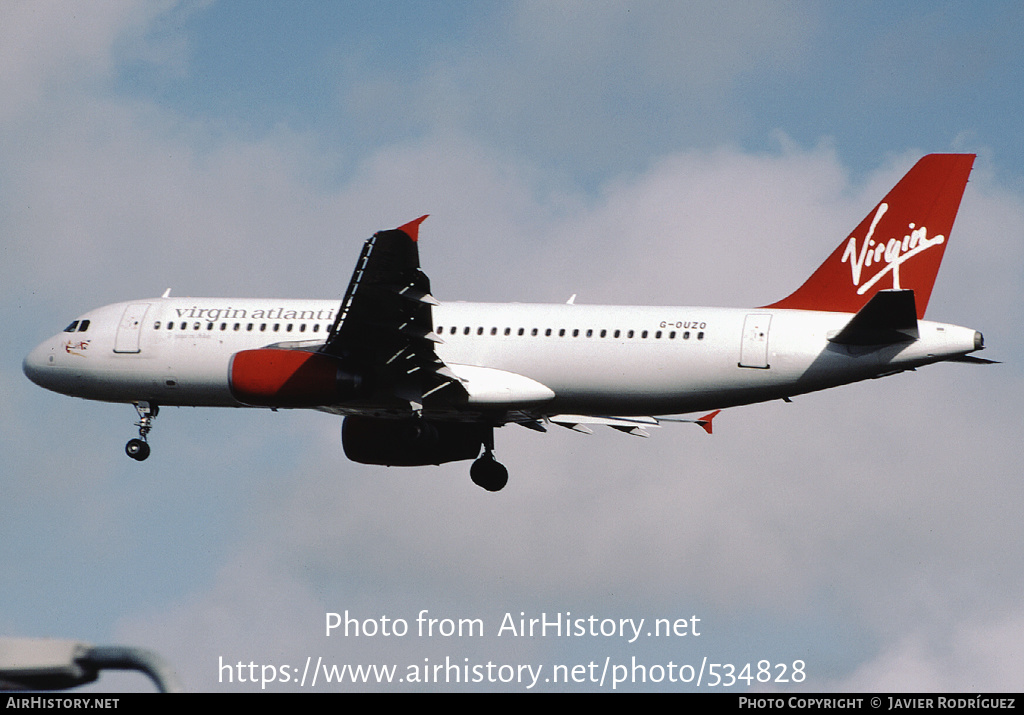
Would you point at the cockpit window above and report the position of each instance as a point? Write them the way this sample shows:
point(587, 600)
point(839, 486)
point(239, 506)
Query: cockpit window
point(71, 328)
point(83, 326)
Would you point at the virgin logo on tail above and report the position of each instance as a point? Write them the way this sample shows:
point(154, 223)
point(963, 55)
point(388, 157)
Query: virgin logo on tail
point(926, 200)
point(893, 252)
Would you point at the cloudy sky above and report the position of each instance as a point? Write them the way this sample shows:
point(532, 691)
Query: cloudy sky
point(651, 153)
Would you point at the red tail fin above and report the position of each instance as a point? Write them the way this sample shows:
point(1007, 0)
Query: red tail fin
point(898, 245)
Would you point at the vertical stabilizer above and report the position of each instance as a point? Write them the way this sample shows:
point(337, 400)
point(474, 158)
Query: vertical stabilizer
point(898, 246)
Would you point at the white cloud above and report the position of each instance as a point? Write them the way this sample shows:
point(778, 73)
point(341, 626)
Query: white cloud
point(582, 88)
point(50, 46)
point(981, 655)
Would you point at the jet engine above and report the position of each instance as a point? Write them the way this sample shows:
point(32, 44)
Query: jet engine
point(409, 442)
point(274, 377)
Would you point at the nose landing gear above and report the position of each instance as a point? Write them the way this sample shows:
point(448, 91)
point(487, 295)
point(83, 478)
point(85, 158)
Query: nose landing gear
point(138, 449)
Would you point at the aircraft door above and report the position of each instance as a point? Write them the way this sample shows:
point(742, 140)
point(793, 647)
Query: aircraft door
point(130, 327)
point(754, 346)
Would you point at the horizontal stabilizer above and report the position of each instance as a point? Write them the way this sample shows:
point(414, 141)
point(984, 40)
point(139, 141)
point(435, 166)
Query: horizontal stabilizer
point(972, 360)
point(889, 317)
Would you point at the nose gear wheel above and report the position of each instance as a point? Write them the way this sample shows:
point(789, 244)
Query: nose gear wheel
point(138, 449)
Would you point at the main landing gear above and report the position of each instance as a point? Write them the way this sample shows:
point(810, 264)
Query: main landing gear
point(138, 449)
point(487, 472)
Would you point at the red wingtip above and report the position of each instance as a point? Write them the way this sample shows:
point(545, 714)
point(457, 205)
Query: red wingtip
point(705, 421)
point(412, 229)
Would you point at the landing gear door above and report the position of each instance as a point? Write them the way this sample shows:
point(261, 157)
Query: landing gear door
point(754, 346)
point(130, 327)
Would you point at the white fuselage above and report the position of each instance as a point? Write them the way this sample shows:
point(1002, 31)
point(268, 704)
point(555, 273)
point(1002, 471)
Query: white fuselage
point(596, 360)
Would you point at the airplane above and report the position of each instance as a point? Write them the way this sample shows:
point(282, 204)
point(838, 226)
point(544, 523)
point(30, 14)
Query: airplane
point(422, 382)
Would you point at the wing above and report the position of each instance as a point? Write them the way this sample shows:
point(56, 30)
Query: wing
point(384, 328)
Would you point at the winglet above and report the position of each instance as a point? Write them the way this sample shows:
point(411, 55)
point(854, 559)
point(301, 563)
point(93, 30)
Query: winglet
point(412, 229)
point(705, 421)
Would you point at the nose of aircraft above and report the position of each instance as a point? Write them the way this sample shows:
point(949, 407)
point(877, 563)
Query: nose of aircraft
point(37, 362)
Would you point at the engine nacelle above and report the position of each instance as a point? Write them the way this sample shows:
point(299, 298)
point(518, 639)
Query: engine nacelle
point(409, 443)
point(273, 377)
